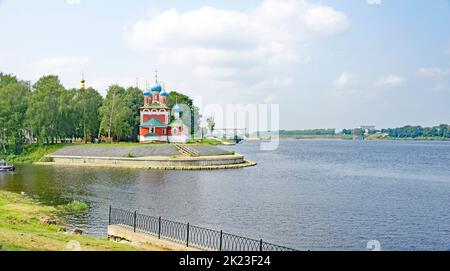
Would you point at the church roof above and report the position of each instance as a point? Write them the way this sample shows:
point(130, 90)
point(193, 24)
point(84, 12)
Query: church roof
point(153, 123)
point(157, 87)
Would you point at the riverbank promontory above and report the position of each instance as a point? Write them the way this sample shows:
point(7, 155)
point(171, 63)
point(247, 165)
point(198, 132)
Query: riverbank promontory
point(164, 157)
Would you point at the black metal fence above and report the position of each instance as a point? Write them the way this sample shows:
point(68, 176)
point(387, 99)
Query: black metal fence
point(191, 236)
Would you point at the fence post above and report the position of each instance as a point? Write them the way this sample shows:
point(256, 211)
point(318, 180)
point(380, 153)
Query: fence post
point(109, 215)
point(187, 235)
point(159, 228)
point(221, 236)
point(134, 221)
point(261, 245)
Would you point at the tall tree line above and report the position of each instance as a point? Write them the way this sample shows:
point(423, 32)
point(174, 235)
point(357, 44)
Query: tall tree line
point(120, 113)
point(45, 112)
point(13, 108)
point(442, 130)
point(409, 131)
point(48, 113)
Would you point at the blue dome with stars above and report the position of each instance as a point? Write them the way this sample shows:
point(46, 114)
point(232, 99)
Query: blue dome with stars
point(157, 87)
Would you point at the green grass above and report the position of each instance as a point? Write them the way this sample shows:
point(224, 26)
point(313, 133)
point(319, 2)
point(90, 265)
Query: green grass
point(74, 207)
point(205, 141)
point(27, 225)
point(34, 153)
point(124, 144)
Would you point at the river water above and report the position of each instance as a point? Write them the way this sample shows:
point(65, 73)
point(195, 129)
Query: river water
point(308, 194)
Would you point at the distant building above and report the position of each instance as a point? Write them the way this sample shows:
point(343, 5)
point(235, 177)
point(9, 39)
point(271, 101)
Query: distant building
point(368, 128)
point(156, 124)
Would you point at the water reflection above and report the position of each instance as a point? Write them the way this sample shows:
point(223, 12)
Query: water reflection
point(314, 194)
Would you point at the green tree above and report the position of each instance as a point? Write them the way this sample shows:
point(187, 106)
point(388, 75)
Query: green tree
point(211, 124)
point(443, 130)
point(116, 114)
point(192, 120)
point(134, 98)
point(44, 114)
point(359, 132)
point(347, 131)
point(68, 115)
point(13, 106)
point(86, 112)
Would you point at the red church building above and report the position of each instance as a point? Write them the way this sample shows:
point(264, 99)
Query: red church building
point(157, 124)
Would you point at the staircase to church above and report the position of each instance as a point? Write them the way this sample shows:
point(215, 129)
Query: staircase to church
point(187, 151)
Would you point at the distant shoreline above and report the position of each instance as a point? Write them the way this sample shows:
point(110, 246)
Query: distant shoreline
point(368, 138)
point(411, 138)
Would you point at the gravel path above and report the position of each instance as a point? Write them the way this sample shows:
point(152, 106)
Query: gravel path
point(137, 151)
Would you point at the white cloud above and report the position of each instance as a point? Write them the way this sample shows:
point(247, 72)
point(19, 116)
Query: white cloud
point(343, 80)
point(269, 99)
point(62, 64)
point(442, 87)
point(447, 51)
point(219, 44)
point(102, 83)
point(73, 2)
point(390, 81)
point(433, 72)
point(212, 72)
point(374, 2)
point(347, 83)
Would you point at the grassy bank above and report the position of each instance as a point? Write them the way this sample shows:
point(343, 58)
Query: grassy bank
point(205, 141)
point(26, 225)
point(34, 153)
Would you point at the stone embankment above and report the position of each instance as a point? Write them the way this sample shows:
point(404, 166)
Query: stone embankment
point(165, 157)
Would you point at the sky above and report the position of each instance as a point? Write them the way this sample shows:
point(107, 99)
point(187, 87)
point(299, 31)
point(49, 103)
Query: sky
point(328, 64)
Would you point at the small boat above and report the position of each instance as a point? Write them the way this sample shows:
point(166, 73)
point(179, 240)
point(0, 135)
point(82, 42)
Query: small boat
point(4, 167)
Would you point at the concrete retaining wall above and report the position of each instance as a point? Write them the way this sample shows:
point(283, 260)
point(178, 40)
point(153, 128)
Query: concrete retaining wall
point(183, 163)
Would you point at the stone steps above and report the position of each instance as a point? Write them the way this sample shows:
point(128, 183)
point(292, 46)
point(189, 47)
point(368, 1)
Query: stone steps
point(187, 151)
